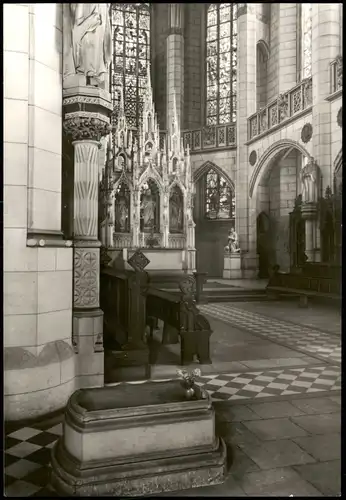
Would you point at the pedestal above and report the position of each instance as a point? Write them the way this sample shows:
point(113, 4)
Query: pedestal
point(232, 266)
point(137, 439)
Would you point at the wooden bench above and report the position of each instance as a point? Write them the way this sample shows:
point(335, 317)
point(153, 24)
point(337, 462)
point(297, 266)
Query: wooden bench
point(180, 312)
point(304, 286)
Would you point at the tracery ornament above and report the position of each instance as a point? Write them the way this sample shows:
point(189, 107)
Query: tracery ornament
point(221, 63)
point(131, 57)
point(86, 126)
point(306, 133)
point(219, 199)
point(86, 276)
point(307, 92)
point(283, 106)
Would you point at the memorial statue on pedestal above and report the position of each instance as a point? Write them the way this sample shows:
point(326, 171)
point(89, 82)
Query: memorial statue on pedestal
point(87, 41)
point(310, 179)
point(233, 242)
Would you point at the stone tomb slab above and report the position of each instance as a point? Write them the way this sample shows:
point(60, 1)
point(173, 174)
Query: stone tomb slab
point(137, 439)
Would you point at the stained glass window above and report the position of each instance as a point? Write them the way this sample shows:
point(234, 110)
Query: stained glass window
point(221, 63)
point(219, 199)
point(306, 19)
point(131, 55)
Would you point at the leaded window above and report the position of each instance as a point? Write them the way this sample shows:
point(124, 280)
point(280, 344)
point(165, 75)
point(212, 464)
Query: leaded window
point(219, 199)
point(306, 30)
point(131, 56)
point(221, 63)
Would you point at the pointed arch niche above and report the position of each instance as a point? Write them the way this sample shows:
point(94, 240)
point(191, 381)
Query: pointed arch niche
point(122, 208)
point(150, 207)
point(214, 215)
point(176, 210)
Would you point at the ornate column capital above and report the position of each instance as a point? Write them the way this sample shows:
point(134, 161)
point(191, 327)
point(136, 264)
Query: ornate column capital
point(84, 125)
point(87, 113)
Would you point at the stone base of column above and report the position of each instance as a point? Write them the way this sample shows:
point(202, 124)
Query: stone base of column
point(88, 344)
point(232, 266)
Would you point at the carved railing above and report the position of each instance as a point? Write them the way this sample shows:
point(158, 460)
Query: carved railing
point(176, 241)
point(285, 106)
point(336, 74)
point(213, 137)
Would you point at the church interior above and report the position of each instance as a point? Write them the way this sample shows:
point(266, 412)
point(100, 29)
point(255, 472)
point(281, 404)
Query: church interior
point(172, 249)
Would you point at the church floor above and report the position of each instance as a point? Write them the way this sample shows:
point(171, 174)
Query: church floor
point(275, 382)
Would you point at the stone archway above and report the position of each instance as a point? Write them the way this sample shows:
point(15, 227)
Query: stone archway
point(274, 187)
point(210, 234)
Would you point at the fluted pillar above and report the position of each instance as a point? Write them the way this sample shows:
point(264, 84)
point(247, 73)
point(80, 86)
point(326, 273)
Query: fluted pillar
point(175, 62)
point(86, 127)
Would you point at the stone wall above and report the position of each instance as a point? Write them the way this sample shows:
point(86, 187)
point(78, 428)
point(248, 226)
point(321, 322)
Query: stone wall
point(194, 65)
point(38, 358)
point(159, 31)
point(273, 62)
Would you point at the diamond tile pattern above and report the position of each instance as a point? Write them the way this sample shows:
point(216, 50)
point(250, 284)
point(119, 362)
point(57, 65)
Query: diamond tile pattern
point(283, 382)
point(302, 338)
point(27, 461)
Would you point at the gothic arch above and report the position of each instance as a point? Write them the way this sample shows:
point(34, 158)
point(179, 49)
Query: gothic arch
point(268, 155)
point(203, 169)
point(264, 48)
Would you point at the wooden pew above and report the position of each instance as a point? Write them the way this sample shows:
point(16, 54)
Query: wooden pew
point(179, 311)
point(319, 281)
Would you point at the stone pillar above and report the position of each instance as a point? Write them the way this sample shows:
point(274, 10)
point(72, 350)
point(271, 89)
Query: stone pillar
point(309, 213)
point(86, 127)
point(325, 47)
point(175, 62)
point(246, 105)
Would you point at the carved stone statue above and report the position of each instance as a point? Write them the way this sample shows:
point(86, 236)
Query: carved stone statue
point(233, 242)
point(148, 206)
point(120, 214)
point(175, 212)
point(310, 177)
point(87, 41)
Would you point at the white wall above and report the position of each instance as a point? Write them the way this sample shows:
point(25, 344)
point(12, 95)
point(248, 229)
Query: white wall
point(39, 361)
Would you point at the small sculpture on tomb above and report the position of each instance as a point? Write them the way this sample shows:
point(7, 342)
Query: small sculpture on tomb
point(233, 242)
point(310, 176)
point(87, 41)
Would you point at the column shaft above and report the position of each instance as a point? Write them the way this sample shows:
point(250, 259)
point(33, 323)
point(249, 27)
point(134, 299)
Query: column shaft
point(175, 63)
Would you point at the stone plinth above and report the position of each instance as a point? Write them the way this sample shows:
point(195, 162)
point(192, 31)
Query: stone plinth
point(232, 266)
point(136, 440)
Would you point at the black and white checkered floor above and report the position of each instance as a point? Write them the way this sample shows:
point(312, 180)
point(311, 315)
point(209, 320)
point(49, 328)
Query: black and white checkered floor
point(28, 449)
point(324, 346)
